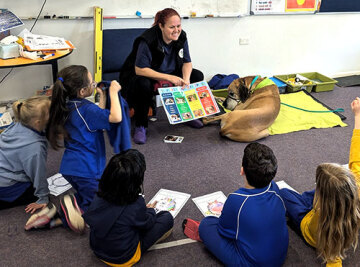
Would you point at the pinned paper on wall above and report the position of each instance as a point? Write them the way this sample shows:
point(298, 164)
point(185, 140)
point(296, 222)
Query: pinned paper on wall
point(211, 204)
point(8, 20)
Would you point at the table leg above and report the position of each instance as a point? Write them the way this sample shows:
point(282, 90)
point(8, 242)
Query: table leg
point(54, 67)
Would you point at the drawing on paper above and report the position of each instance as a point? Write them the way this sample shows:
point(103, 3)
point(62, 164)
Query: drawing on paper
point(211, 204)
point(169, 200)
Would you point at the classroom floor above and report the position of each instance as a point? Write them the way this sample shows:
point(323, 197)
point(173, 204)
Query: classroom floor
point(203, 163)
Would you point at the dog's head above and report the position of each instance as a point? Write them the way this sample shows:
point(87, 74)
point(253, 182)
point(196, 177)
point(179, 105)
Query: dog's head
point(238, 91)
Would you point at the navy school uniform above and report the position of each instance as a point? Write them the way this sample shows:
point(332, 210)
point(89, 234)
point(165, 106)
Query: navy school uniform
point(115, 231)
point(84, 157)
point(251, 230)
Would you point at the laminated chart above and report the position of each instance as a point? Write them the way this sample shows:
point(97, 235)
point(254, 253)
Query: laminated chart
point(190, 103)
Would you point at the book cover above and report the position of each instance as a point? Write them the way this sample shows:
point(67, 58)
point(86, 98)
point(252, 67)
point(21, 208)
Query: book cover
point(190, 103)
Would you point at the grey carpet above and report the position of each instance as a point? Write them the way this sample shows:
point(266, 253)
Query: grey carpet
point(203, 163)
point(353, 80)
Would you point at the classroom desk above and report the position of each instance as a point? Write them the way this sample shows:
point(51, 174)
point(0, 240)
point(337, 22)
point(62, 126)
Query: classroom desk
point(21, 62)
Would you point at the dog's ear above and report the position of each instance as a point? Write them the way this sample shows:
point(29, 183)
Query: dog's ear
point(244, 91)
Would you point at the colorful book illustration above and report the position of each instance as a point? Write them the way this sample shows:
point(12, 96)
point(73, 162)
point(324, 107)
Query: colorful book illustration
point(186, 104)
point(169, 200)
point(282, 184)
point(58, 184)
point(211, 204)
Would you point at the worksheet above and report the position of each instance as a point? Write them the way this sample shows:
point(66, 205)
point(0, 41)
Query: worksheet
point(58, 184)
point(211, 204)
point(169, 200)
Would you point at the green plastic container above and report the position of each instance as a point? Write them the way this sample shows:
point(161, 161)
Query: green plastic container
point(322, 82)
point(294, 88)
point(220, 92)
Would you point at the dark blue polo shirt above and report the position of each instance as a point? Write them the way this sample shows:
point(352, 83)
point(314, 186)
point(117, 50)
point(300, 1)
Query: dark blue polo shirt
point(84, 153)
point(144, 57)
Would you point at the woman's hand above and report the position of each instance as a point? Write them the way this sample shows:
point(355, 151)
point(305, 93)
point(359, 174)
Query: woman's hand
point(177, 81)
point(32, 207)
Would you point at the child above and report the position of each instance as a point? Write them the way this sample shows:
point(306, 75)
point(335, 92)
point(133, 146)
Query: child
point(23, 152)
point(332, 207)
point(251, 231)
point(122, 226)
point(354, 161)
point(81, 123)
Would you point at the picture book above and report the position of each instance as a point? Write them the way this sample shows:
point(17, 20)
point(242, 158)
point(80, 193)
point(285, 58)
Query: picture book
point(282, 184)
point(190, 103)
point(211, 204)
point(169, 200)
point(58, 184)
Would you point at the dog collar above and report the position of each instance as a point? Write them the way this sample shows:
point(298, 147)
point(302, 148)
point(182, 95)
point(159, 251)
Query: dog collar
point(253, 81)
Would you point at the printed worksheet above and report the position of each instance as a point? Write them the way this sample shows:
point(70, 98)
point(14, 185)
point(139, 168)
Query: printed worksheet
point(58, 184)
point(186, 104)
point(169, 200)
point(282, 184)
point(211, 204)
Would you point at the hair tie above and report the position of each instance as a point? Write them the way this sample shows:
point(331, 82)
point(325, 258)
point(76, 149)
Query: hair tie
point(61, 79)
point(19, 106)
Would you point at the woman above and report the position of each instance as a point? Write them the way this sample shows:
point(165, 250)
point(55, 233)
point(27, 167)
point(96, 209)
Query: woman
point(161, 53)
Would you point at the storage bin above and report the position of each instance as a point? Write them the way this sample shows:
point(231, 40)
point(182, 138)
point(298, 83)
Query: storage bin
point(220, 92)
point(291, 87)
point(322, 82)
point(281, 85)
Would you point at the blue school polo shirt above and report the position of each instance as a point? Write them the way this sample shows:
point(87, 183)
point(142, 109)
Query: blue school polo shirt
point(84, 153)
point(144, 57)
point(255, 219)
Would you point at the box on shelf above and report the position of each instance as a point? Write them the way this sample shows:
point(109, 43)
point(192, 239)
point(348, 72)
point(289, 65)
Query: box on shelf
point(292, 87)
point(322, 83)
point(281, 85)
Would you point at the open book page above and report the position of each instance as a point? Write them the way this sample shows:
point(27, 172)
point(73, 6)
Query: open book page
point(169, 200)
point(211, 204)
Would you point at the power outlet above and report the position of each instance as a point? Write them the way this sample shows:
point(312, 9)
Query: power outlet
point(243, 41)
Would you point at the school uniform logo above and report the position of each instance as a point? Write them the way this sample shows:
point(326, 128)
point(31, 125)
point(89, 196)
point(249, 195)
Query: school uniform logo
point(181, 53)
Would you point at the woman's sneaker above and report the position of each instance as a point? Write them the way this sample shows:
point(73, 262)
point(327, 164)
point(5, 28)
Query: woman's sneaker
point(140, 135)
point(42, 218)
point(72, 213)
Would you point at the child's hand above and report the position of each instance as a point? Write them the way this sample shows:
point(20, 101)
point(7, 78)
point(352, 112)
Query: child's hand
point(152, 205)
point(355, 106)
point(32, 207)
point(115, 86)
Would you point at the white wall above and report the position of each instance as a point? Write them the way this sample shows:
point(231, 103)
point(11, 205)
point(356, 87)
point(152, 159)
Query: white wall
point(326, 43)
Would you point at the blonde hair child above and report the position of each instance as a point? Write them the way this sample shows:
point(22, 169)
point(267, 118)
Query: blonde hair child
point(23, 152)
point(329, 217)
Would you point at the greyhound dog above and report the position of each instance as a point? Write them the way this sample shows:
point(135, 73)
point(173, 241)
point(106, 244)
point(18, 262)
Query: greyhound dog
point(254, 103)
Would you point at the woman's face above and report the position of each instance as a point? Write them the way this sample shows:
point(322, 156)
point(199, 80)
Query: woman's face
point(171, 30)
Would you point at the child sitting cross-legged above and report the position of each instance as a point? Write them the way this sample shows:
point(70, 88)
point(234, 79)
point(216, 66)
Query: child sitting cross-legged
point(251, 230)
point(328, 218)
point(122, 226)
